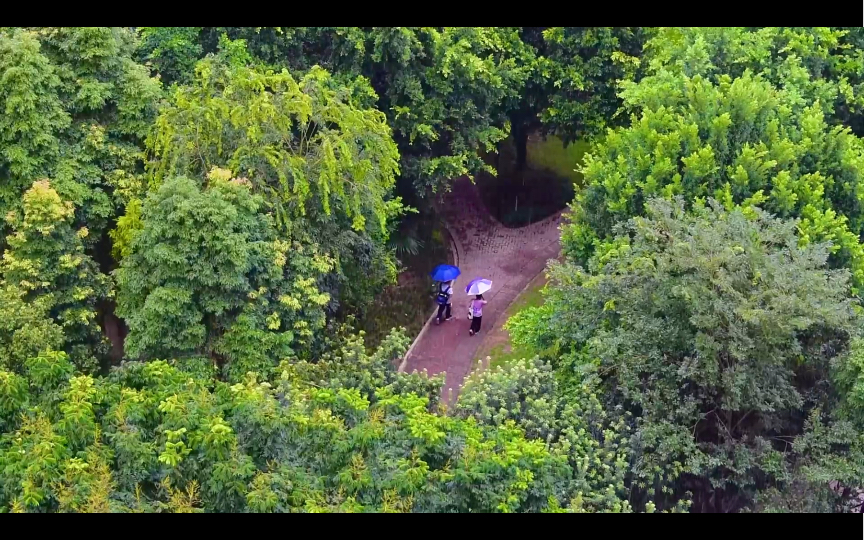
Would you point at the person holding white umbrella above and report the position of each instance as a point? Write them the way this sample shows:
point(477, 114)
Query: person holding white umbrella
point(475, 308)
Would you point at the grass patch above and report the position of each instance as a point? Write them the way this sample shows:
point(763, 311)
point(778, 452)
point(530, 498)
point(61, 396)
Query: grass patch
point(545, 186)
point(552, 155)
point(497, 344)
point(532, 296)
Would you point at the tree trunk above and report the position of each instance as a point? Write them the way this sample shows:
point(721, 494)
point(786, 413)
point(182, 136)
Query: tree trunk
point(520, 140)
point(114, 329)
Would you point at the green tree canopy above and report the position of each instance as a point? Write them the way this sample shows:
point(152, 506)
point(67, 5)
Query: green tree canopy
point(208, 275)
point(157, 437)
point(742, 141)
point(817, 64)
point(446, 91)
point(52, 284)
point(75, 108)
point(723, 337)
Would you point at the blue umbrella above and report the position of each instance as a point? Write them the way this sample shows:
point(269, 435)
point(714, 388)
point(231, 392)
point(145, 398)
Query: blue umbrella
point(445, 272)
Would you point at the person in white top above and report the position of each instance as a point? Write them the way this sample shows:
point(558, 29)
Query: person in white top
point(445, 293)
point(476, 309)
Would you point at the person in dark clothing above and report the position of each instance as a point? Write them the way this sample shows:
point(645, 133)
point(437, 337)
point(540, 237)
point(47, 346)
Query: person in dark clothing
point(475, 307)
point(445, 293)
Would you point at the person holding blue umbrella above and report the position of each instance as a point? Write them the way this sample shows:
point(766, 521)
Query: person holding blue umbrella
point(444, 274)
point(475, 308)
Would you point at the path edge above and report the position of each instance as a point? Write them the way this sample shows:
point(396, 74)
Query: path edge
point(455, 248)
point(481, 362)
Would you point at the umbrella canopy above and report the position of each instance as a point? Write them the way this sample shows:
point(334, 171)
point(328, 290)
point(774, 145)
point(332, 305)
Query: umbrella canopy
point(445, 272)
point(478, 286)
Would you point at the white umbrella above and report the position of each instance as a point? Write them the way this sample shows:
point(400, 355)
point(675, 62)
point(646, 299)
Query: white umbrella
point(478, 286)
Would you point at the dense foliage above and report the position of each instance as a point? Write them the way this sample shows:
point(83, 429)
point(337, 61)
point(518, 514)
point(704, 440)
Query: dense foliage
point(573, 83)
point(823, 65)
point(50, 285)
point(742, 141)
point(220, 201)
point(343, 434)
point(445, 91)
point(575, 425)
point(75, 109)
point(724, 339)
point(325, 164)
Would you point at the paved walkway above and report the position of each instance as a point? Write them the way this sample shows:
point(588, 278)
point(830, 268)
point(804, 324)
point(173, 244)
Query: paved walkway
point(511, 258)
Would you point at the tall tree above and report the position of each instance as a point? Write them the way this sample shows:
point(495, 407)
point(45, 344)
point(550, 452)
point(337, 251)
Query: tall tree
point(572, 89)
point(723, 337)
point(740, 140)
point(325, 163)
point(446, 91)
point(55, 284)
point(209, 276)
point(76, 108)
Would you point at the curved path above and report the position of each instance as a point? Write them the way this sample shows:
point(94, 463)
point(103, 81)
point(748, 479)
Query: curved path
point(511, 258)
